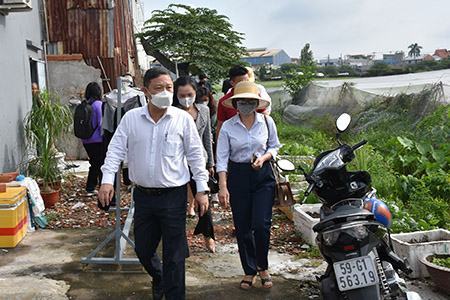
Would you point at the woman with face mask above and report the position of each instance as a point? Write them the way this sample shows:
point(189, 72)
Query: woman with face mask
point(185, 89)
point(246, 144)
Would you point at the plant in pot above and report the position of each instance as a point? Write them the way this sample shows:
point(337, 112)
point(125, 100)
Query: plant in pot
point(438, 265)
point(47, 121)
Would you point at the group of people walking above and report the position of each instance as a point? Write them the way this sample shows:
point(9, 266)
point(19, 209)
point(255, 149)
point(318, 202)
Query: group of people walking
point(174, 146)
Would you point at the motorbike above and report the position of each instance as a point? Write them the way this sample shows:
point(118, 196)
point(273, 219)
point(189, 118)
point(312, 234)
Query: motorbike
point(352, 236)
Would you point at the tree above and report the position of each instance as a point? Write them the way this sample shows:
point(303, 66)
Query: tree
point(289, 68)
point(414, 50)
point(306, 56)
point(295, 82)
point(198, 40)
point(379, 69)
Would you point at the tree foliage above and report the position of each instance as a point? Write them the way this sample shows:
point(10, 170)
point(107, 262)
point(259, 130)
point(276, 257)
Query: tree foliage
point(199, 39)
point(414, 50)
point(306, 56)
point(295, 82)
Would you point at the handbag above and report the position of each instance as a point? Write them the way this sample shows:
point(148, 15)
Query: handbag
point(283, 191)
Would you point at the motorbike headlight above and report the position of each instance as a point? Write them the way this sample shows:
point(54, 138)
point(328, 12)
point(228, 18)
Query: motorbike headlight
point(359, 232)
point(330, 237)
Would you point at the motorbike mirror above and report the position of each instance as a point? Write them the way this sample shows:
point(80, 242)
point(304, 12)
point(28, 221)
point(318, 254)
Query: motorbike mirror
point(285, 165)
point(343, 121)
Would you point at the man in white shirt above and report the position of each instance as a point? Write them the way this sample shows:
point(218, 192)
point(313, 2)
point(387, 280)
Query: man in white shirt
point(160, 142)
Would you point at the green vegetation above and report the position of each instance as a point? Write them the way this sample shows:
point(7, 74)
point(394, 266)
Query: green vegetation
point(295, 82)
point(47, 121)
point(443, 262)
point(199, 39)
point(408, 155)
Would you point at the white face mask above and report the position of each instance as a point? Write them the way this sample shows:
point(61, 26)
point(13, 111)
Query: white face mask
point(187, 102)
point(162, 100)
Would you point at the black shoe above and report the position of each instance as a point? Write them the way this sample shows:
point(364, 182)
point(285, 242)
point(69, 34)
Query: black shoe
point(157, 291)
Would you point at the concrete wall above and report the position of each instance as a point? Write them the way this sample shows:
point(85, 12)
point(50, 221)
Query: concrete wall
point(68, 79)
point(15, 80)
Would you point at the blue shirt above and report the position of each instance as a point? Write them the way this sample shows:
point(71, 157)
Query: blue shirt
point(239, 144)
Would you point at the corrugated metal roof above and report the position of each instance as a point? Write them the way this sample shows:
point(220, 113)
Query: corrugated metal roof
point(94, 28)
point(263, 52)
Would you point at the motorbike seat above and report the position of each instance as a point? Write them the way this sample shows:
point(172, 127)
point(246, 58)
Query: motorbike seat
point(343, 214)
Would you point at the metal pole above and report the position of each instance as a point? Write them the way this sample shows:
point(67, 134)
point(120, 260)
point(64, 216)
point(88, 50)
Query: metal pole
point(120, 236)
point(118, 254)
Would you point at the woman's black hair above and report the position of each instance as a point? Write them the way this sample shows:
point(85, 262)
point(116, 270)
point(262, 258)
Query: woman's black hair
point(93, 91)
point(182, 81)
point(203, 91)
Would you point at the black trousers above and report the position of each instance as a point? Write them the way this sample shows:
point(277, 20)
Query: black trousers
point(97, 154)
point(251, 198)
point(162, 216)
point(205, 223)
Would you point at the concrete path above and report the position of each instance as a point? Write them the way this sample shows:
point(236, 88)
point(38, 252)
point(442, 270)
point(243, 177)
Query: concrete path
point(46, 265)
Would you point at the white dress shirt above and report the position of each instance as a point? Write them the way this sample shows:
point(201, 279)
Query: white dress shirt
point(158, 153)
point(238, 144)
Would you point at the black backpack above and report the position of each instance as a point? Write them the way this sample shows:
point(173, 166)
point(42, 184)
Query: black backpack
point(82, 121)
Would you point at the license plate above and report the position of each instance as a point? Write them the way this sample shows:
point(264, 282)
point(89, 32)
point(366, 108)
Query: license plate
point(355, 273)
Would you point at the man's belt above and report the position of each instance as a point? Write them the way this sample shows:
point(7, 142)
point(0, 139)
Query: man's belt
point(157, 191)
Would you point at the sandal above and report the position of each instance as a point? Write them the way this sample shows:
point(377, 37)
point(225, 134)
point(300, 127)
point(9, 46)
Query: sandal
point(266, 281)
point(246, 284)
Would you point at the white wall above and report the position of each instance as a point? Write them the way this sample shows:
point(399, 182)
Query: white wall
point(15, 80)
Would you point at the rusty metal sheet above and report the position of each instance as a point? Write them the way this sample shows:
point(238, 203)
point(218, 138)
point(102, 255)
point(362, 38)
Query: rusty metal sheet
point(102, 28)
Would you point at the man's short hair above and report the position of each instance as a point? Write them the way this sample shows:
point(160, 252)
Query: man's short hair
point(154, 73)
point(237, 71)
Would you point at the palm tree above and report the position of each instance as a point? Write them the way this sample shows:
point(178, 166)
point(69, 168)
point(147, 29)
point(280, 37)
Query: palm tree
point(414, 50)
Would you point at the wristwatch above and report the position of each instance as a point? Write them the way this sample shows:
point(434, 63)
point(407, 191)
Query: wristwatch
point(207, 192)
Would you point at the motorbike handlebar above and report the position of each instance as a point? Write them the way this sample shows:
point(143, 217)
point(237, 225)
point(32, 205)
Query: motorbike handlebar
point(359, 145)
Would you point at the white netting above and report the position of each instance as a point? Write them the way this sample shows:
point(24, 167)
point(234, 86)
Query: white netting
point(353, 95)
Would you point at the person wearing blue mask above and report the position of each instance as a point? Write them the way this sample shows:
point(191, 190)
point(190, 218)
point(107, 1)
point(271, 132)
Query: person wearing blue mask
point(246, 144)
point(162, 144)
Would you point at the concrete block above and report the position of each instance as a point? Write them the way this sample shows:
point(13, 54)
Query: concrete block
point(414, 245)
point(304, 222)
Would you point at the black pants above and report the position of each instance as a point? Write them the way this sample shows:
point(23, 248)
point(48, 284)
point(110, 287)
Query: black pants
point(162, 215)
point(251, 197)
point(205, 223)
point(97, 154)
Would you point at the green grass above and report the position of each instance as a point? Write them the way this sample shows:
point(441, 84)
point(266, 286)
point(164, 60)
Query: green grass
point(271, 83)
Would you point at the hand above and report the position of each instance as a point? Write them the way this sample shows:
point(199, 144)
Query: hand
point(258, 163)
point(224, 197)
point(105, 193)
point(202, 203)
point(211, 171)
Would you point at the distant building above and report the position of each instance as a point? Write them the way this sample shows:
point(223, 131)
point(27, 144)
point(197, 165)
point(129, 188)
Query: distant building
point(442, 53)
point(359, 62)
point(295, 60)
point(330, 62)
point(264, 56)
point(411, 60)
point(393, 59)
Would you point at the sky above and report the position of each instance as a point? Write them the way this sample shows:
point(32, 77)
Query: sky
point(333, 27)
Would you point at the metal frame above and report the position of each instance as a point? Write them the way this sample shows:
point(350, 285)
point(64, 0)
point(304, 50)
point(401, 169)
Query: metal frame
point(118, 234)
